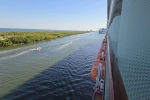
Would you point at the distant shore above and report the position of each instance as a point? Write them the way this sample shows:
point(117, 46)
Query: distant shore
point(14, 38)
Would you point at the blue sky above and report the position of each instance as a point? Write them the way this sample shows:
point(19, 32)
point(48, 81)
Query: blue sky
point(53, 14)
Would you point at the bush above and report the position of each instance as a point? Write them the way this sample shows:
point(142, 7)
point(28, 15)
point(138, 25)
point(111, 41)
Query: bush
point(29, 37)
point(5, 43)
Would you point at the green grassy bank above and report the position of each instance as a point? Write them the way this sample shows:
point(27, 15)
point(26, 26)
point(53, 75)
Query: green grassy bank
point(13, 38)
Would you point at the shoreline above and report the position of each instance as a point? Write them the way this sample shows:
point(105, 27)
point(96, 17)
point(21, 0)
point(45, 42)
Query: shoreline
point(18, 38)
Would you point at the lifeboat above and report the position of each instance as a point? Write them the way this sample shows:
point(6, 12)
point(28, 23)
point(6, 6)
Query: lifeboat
point(98, 72)
point(99, 59)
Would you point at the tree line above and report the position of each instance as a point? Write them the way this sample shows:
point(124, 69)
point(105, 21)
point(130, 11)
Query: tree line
point(11, 38)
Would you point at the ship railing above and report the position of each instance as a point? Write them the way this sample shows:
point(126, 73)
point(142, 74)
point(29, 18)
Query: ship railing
point(114, 86)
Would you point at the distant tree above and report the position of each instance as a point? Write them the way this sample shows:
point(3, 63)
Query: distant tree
point(10, 38)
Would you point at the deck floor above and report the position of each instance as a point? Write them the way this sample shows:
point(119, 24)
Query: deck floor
point(98, 97)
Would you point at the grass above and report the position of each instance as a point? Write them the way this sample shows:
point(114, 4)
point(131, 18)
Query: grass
point(13, 38)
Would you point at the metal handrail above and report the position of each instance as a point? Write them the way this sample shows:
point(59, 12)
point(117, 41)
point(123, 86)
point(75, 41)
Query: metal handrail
point(111, 11)
point(116, 87)
point(111, 89)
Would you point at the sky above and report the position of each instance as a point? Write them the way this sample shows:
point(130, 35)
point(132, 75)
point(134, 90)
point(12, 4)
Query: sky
point(53, 14)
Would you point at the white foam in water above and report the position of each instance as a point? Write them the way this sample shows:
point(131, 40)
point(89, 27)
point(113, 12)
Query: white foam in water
point(63, 46)
point(77, 39)
point(12, 50)
point(7, 51)
point(17, 54)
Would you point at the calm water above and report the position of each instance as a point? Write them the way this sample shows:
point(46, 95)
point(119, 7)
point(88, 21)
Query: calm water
point(59, 71)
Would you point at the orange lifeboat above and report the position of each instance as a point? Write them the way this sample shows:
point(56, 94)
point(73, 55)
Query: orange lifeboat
point(94, 70)
point(99, 59)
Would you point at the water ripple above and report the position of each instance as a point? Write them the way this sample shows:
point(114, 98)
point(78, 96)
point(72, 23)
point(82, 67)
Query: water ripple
point(69, 79)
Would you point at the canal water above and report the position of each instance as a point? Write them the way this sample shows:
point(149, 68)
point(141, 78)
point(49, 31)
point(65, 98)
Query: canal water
point(59, 71)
